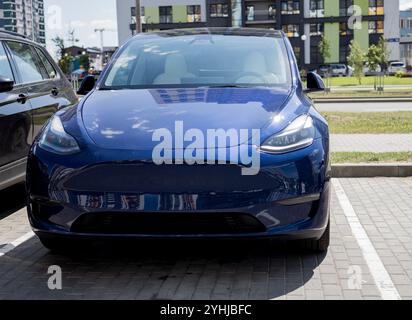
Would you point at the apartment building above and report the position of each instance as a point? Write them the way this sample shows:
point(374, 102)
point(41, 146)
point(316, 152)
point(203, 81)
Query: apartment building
point(25, 17)
point(303, 21)
point(406, 36)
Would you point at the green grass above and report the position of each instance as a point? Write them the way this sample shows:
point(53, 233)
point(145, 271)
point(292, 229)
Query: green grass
point(367, 81)
point(363, 94)
point(367, 157)
point(374, 123)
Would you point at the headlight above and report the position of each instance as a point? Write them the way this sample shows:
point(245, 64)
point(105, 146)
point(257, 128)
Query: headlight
point(299, 134)
point(56, 140)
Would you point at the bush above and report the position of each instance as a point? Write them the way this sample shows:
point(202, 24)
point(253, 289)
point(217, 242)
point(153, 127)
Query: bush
point(400, 74)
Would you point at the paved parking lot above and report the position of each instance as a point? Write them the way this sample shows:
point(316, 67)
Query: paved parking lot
point(370, 258)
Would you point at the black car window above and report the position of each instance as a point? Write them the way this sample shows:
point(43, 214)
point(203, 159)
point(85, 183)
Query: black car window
point(51, 72)
point(5, 69)
point(25, 61)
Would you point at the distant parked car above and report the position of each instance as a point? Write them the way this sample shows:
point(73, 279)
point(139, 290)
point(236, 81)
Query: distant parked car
point(395, 67)
point(333, 70)
point(324, 70)
point(338, 70)
point(32, 89)
point(80, 74)
point(350, 71)
point(368, 72)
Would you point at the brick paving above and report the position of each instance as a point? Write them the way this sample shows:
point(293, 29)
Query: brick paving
point(371, 143)
point(226, 270)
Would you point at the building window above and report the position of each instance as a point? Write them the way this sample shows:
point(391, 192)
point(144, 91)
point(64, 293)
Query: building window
point(250, 13)
point(317, 9)
point(142, 14)
point(343, 53)
point(315, 56)
point(166, 14)
point(291, 30)
point(194, 14)
point(316, 29)
point(272, 12)
point(344, 6)
point(375, 27)
point(219, 10)
point(344, 29)
point(406, 23)
point(376, 8)
point(297, 50)
point(290, 7)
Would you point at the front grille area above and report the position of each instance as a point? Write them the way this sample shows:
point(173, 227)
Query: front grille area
point(159, 223)
point(151, 179)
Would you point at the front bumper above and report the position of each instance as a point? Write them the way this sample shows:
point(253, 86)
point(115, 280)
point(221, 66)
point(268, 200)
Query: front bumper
point(289, 198)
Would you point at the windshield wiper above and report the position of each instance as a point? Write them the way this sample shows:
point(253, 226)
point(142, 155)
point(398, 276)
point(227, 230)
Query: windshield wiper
point(226, 86)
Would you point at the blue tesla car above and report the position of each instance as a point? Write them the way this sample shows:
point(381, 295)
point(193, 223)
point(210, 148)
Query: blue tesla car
point(195, 133)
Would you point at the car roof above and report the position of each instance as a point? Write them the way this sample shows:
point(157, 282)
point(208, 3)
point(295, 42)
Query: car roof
point(251, 32)
point(9, 35)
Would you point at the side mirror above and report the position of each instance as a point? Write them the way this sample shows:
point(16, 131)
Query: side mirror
point(6, 84)
point(314, 82)
point(87, 85)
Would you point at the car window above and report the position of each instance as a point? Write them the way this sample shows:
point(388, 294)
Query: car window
point(51, 72)
point(25, 61)
point(5, 69)
point(201, 60)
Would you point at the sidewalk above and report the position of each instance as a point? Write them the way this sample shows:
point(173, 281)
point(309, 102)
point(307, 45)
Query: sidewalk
point(377, 143)
point(365, 99)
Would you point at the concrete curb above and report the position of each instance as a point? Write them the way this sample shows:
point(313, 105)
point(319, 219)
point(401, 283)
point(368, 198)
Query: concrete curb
point(361, 100)
point(368, 170)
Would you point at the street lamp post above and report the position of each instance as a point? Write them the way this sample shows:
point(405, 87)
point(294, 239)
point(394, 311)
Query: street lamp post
point(138, 17)
point(101, 44)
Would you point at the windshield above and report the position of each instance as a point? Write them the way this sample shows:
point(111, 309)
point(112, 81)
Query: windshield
point(200, 60)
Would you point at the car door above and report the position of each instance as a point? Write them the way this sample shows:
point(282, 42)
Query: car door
point(15, 120)
point(56, 86)
point(43, 87)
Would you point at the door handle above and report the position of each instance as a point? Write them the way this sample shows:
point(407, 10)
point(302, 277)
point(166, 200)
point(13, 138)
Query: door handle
point(55, 91)
point(22, 98)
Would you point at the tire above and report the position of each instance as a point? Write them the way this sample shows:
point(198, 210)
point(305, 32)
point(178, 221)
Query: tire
point(320, 245)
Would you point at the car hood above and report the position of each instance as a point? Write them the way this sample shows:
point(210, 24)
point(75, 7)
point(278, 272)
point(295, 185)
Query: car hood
point(127, 119)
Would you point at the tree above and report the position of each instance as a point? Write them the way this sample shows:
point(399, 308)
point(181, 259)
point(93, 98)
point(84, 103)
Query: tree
point(374, 57)
point(84, 60)
point(383, 53)
point(64, 59)
point(355, 60)
point(324, 49)
point(61, 48)
point(65, 63)
point(378, 55)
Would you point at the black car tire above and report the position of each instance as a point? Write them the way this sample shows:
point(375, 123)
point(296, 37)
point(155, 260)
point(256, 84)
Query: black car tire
point(320, 245)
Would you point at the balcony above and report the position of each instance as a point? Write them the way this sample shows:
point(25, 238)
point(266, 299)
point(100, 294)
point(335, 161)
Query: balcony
point(255, 17)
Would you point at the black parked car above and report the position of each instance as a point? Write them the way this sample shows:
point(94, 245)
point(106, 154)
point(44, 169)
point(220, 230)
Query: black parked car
point(32, 89)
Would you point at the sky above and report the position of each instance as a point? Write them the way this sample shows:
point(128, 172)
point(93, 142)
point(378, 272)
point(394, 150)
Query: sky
point(84, 16)
point(405, 4)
